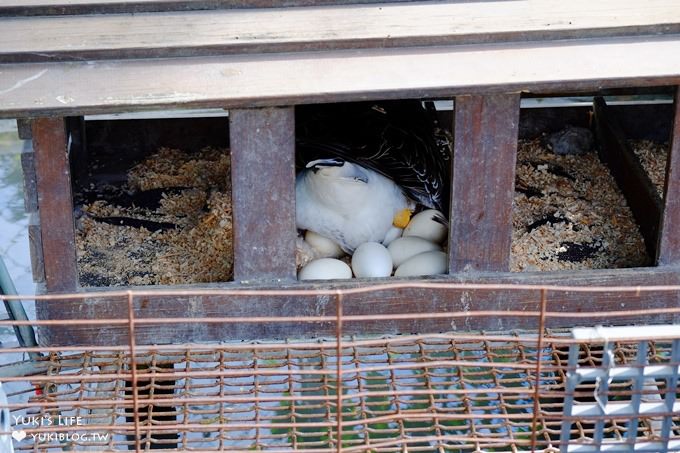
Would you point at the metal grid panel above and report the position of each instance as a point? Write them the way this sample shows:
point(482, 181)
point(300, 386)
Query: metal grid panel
point(632, 402)
point(458, 391)
point(443, 392)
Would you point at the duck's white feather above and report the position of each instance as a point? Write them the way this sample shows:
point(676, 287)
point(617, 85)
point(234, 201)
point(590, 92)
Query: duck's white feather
point(347, 203)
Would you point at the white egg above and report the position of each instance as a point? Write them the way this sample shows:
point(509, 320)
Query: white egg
point(426, 263)
point(392, 234)
point(325, 269)
point(423, 225)
point(371, 259)
point(404, 248)
point(323, 246)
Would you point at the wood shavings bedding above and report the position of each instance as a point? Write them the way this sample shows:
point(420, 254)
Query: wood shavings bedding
point(198, 248)
point(569, 214)
point(174, 168)
point(653, 157)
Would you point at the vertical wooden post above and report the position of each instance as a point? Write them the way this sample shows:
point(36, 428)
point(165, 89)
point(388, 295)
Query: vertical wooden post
point(55, 204)
point(78, 152)
point(24, 128)
point(483, 180)
point(669, 237)
point(263, 192)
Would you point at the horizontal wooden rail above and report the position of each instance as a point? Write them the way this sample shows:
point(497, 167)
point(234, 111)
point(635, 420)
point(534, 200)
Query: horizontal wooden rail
point(203, 33)
point(287, 79)
point(394, 310)
point(74, 7)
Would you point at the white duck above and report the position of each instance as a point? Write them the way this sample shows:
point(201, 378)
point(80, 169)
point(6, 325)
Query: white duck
point(349, 203)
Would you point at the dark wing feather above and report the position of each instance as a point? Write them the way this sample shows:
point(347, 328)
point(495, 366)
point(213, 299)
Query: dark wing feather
point(398, 139)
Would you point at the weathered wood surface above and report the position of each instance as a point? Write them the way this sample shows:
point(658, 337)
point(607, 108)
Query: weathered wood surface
point(55, 204)
point(24, 128)
point(71, 7)
point(263, 193)
point(78, 155)
point(219, 32)
point(28, 170)
point(630, 176)
point(483, 174)
point(669, 238)
point(287, 79)
point(35, 248)
point(593, 307)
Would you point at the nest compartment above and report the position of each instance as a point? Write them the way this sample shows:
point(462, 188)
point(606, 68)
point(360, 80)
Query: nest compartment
point(126, 235)
point(580, 220)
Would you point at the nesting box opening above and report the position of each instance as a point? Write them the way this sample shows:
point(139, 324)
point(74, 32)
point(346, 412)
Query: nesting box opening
point(587, 194)
point(153, 205)
point(371, 175)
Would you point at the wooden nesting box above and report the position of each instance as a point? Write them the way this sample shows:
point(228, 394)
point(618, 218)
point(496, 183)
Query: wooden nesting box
point(60, 61)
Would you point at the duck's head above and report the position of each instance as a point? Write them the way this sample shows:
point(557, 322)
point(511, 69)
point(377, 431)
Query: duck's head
point(335, 182)
point(339, 170)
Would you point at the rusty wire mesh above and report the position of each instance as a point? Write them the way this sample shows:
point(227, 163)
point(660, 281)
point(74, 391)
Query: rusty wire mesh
point(453, 391)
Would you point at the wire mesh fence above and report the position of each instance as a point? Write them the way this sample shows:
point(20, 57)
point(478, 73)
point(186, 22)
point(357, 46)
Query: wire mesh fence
point(540, 389)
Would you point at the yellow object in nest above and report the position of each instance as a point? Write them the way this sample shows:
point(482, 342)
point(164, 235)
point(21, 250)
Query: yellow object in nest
point(402, 218)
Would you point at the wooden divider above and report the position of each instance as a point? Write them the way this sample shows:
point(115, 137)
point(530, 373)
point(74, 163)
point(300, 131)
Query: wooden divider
point(55, 204)
point(483, 181)
point(669, 238)
point(630, 176)
point(263, 192)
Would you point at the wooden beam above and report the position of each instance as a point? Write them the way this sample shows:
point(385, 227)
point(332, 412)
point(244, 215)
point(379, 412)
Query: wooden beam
point(55, 204)
point(669, 238)
point(69, 7)
point(385, 305)
point(263, 192)
point(630, 176)
point(483, 180)
point(260, 80)
point(259, 30)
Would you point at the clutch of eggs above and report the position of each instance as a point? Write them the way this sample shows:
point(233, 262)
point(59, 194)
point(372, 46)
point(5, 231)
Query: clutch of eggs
point(418, 252)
